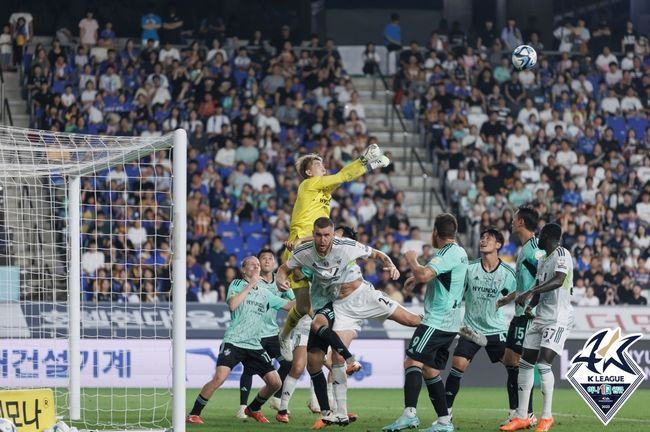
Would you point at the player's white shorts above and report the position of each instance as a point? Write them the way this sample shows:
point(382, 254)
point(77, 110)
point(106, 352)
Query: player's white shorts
point(364, 303)
point(545, 334)
point(300, 333)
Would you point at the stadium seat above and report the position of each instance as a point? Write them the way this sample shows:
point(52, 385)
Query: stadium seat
point(232, 241)
point(248, 227)
point(227, 228)
point(617, 123)
point(639, 124)
point(255, 242)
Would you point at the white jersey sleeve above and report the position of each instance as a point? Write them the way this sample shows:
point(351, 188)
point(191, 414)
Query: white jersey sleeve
point(555, 305)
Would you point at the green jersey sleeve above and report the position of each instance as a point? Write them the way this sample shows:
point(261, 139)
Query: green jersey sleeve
point(444, 260)
point(276, 302)
point(235, 287)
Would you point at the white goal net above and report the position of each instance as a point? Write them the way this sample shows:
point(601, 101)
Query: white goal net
point(92, 272)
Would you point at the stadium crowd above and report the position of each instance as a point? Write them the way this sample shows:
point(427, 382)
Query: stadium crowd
point(571, 137)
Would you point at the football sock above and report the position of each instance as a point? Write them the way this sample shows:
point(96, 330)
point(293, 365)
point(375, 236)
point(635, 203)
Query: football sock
point(513, 398)
point(340, 389)
point(320, 388)
point(524, 386)
point(292, 320)
point(245, 384)
point(548, 383)
point(288, 387)
point(437, 395)
point(412, 386)
point(330, 394)
point(199, 404)
point(452, 385)
point(283, 371)
point(530, 400)
point(257, 403)
point(330, 336)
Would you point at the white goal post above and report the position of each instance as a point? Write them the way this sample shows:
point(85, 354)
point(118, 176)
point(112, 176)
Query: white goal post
point(93, 275)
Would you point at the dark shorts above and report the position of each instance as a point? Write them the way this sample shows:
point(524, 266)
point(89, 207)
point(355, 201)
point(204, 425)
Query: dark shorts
point(517, 333)
point(315, 342)
point(430, 346)
point(271, 345)
point(257, 362)
point(496, 346)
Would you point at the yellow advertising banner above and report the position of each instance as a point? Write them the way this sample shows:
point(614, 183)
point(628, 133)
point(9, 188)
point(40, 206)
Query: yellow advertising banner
point(30, 410)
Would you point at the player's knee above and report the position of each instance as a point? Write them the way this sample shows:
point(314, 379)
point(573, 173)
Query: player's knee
point(318, 322)
point(314, 361)
point(298, 366)
point(460, 363)
point(273, 381)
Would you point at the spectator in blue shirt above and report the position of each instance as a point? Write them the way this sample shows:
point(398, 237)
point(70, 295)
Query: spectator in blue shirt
point(150, 24)
point(571, 195)
point(393, 34)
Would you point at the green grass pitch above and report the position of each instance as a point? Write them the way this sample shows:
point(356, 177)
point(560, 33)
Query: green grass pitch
point(475, 410)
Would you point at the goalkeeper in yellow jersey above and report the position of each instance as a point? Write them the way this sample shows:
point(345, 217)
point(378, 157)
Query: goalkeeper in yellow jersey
point(313, 202)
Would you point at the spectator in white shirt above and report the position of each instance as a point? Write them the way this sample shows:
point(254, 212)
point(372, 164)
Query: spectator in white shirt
point(242, 60)
point(517, 142)
point(631, 103)
point(207, 294)
point(610, 104)
point(553, 123)
point(588, 193)
point(415, 243)
point(643, 208)
point(524, 114)
point(110, 81)
point(88, 95)
point(88, 28)
point(161, 94)
point(582, 85)
point(262, 177)
point(566, 157)
point(216, 49)
point(354, 105)
point(68, 98)
point(92, 260)
point(168, 53)
point(614, 75)
point(605, 59)
point(564, 34)
point(217, 120)
point(137, 234)
point(366, 209)
point(225, 157)
point(266, 119)
point(589, 299)
point(151, 130)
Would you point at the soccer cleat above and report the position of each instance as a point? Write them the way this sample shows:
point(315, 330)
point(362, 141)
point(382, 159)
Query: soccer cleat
point(331, 418)
point(285, 348)
point(313, 407)
point(473, 336)
point(353, 417)
point(319, 424)
point(194, 419)
point(282, 418)
point(371, 152)
point(381, 162)
point(511, 415)
point(241, 414)
point(439, 427)
point(257, 415)
point(274, 403)
point(533, 420)
point(517, 424)
point(353, 367)
point(544, 424)
point(403, 422)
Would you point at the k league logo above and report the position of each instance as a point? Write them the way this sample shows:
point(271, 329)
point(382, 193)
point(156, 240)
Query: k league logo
point(604, 374)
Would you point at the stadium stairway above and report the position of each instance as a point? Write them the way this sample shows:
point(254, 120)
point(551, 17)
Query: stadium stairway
point(16, 102)
point(375, 111)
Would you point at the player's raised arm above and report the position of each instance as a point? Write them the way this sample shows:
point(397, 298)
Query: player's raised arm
point(387, 262)
point(282, 275)
point(421, 274)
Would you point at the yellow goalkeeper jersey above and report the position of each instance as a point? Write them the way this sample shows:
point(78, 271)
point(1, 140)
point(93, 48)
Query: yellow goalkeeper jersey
point(314, 195)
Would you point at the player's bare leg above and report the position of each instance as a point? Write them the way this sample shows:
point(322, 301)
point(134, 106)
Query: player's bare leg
point(208, 389)
point(302, 308)
point(405, 317)
point(272, 383)
point(320, 325)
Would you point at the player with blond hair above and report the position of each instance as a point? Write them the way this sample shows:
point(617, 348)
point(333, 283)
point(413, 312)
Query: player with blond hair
point(313, 202)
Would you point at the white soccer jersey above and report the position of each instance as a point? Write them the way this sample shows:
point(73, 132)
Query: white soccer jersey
point(555, 306)
point(329, 272)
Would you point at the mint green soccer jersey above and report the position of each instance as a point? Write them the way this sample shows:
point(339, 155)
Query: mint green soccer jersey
point(526, 269)
point(271, 318)
point(445, 292)
point(247, 322)
point(482, 290)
